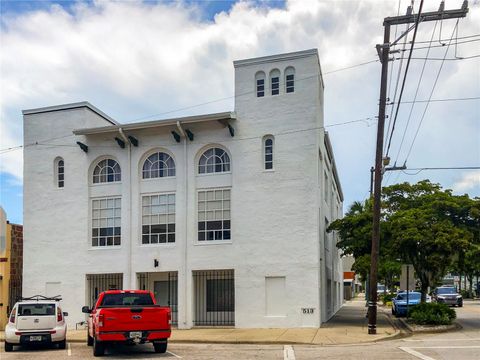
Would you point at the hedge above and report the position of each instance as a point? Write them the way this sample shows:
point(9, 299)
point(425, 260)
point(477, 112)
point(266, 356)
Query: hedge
point(432, 314)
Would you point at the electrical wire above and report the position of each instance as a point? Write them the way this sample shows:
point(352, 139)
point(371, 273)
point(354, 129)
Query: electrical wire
point(45, 142)
point(431, 94)
point(415, 96)
point(419, 170)
point(440, 100)
point(405, 77)
point(442, 40)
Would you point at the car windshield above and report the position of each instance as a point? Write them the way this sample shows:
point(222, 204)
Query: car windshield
point(36, 309)
point(411, 296)
point(126, 299)
point(446, 291)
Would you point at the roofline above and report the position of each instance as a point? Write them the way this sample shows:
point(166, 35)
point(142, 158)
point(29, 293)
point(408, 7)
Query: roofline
point(157, 123)
point(71, 106)
point(328, 145)
point(276, 57)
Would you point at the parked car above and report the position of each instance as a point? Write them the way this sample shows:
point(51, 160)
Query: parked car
point(399, 303)
point(447, 295)
point(130, 317)
point(36, 320)
point(381, 290)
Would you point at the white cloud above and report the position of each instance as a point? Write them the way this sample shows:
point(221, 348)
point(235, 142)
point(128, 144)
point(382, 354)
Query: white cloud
point(135, 59)
point(469, 181)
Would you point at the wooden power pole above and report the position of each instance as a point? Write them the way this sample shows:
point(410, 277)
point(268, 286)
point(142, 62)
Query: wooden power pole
point(383, 52)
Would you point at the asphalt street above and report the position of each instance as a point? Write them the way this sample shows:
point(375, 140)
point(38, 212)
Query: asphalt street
point(463, 344)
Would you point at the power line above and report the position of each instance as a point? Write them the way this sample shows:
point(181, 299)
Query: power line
point(43, 142)
point(415, 96)
point(459, 38)
point(446, 59)
point(442, 45)
point(431, 94)
point(439, 100)
point(405, 76)
point(419, 170)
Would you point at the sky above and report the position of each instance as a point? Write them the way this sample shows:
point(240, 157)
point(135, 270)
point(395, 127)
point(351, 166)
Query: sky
point(149, 60)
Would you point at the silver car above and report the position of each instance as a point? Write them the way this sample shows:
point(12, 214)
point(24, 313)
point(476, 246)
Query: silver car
point(448, 295)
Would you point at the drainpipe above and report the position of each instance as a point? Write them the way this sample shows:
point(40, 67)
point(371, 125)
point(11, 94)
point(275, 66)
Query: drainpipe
point(185, 252)
point(130, 281)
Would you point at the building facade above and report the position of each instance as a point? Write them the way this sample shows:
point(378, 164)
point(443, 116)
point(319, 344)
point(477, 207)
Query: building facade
point(11, 266)
point(222, 215)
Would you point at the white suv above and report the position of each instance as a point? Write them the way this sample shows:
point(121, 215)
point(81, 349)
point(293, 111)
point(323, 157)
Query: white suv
point(36, 320)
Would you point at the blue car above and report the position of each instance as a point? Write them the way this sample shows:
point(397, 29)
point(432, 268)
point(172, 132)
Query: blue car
point(399, 303)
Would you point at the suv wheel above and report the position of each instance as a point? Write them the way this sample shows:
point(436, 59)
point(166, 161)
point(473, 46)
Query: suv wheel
point(62, 344)
point(8, 347)
point(98, 348)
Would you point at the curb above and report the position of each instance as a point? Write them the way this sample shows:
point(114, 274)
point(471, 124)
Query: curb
point(431, 330)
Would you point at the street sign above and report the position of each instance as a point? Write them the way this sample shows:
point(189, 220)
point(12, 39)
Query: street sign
point(407, 283)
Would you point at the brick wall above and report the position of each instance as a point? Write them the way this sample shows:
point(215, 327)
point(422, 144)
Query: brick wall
point(16, 264)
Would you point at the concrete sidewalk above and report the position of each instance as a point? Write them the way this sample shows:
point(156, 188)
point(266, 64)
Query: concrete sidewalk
point(348, 326)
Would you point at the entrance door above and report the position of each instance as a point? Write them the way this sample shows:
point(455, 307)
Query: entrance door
point(160, 289)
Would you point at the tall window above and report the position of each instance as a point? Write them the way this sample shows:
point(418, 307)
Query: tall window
point(106, 222)
point(158, 165)
point(60, 172)
point(158, 219)
point(326, 187)
point(260, 83)
point(289, 80)
point(268, 152)
point(214, 160)
point(107, 170)
point(275, 81)
point(214, 215)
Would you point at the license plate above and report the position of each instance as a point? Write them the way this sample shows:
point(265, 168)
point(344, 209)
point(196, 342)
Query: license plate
point(135, 334)
point(35, 338)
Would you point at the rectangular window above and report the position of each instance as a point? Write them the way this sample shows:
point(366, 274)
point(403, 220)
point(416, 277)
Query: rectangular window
point(158, 219)
point(214, 215)
point(260, 87)
point(275, 85)
point(290, 87)
point(326, 186)
point(61, 174)
point(106, 222)
point(220, 295)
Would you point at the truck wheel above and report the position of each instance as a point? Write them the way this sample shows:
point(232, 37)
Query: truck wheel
point(160, 347)
point(98, 348)
point(8, 347)
point(89, 340)
point(62, 344)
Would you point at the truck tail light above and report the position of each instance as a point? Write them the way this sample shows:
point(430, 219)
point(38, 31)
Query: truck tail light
point(59, 314)
point(100, 320)
point(169, 317)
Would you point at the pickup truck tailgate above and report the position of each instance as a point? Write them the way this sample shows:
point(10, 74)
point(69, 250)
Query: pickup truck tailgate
point(135, 318)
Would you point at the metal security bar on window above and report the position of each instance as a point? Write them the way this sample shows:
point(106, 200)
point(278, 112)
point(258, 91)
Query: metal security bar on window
point(214, 215)
point(106, 222)
point(172, 291)
point(158, 219)
point(214, 298)
point(96, 283)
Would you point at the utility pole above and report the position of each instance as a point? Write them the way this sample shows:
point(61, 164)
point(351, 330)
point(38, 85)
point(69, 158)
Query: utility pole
point(383, 52)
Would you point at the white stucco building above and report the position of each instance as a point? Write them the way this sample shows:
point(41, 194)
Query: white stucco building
point(222, 215)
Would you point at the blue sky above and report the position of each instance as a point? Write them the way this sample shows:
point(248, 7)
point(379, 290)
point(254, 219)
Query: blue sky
point(51, 53)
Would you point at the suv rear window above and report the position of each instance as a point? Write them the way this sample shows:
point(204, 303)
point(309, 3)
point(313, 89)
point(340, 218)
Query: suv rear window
point(126, 299)
point(36, 309)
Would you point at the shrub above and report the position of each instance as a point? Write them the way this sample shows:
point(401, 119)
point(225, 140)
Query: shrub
point(432, 314)
point(387, 298)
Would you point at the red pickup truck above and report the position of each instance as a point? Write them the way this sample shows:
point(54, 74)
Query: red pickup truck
point(130, 317)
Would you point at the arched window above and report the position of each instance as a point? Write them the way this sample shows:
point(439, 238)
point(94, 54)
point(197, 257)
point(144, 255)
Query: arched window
point(60, 172)
point(289, 79)
point(107, 170)
point(214, 160)
point(268, 152)
point(275, 81)
point(158, 165)
point(260, 83)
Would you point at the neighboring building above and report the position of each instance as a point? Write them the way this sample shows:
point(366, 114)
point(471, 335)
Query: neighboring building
point(11, 252)
point(222, 215)
point(351, 282)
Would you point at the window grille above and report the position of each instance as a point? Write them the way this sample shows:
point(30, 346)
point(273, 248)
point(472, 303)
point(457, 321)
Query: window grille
point(214, 215)
point(158, 219)
point(214, 160)
point(158, 165)
point(107, 170)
